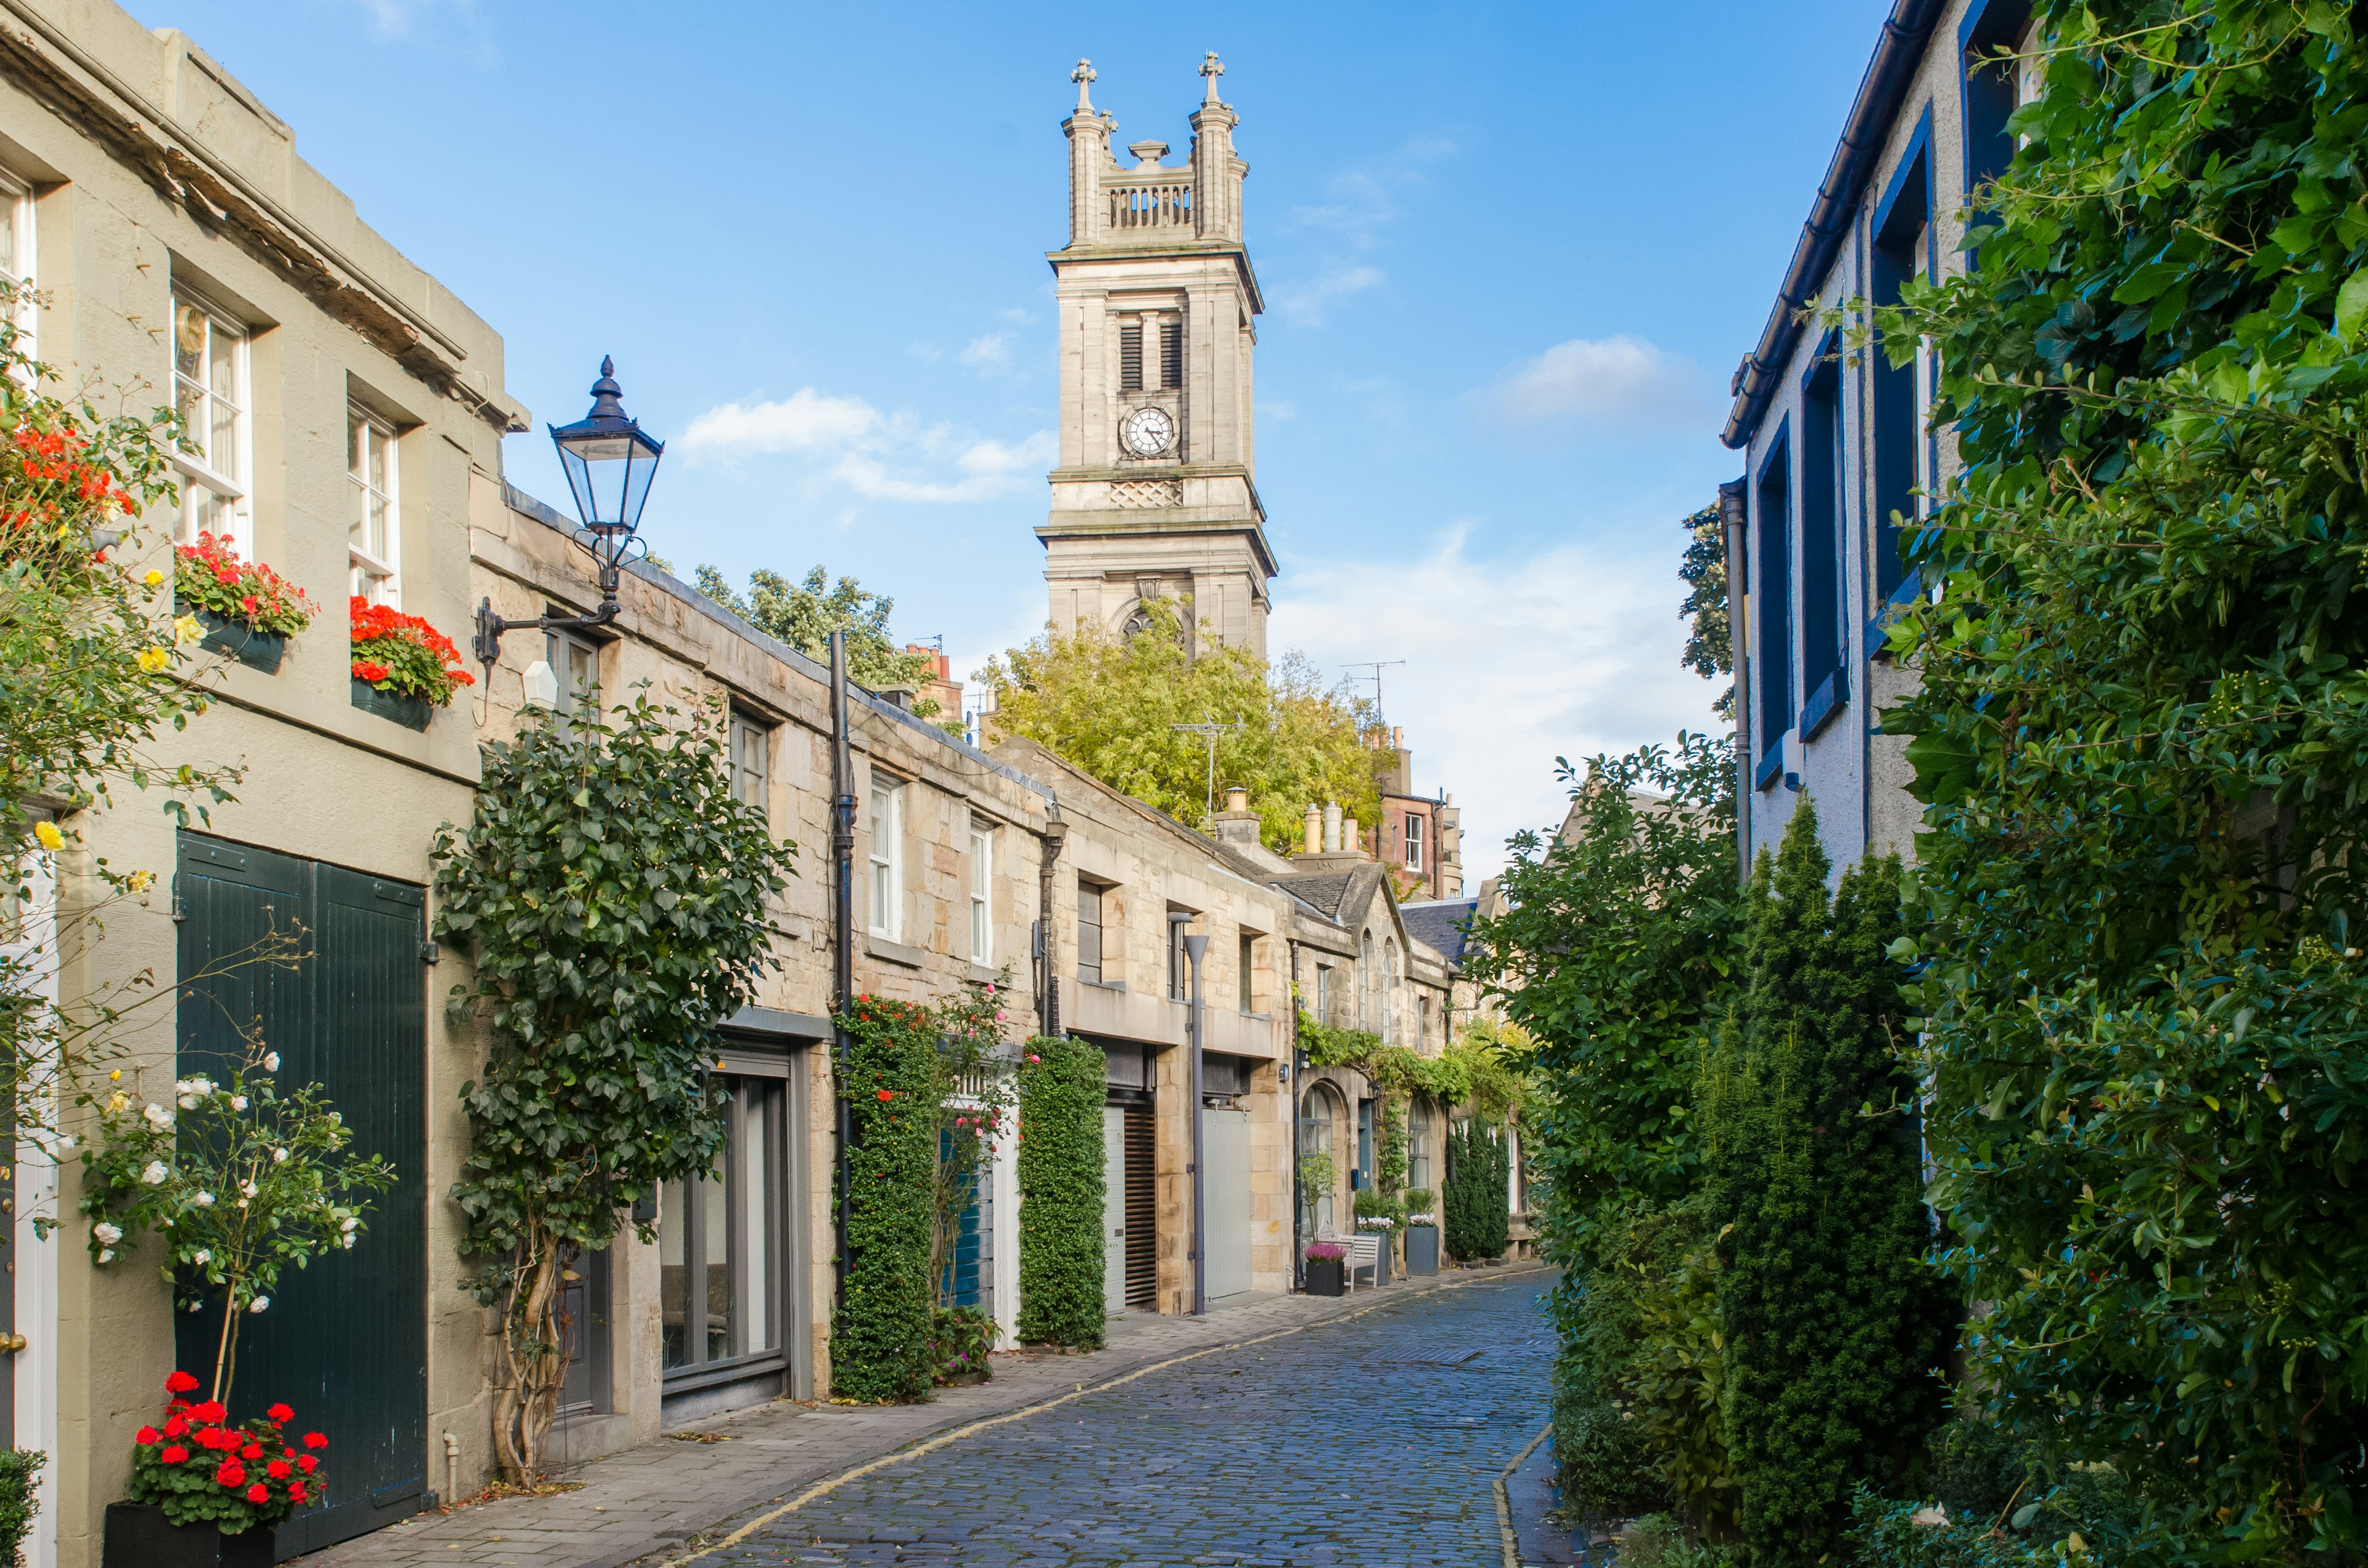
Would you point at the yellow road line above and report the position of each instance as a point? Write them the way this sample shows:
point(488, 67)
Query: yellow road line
point(1505, 1501)
point(824, 1487)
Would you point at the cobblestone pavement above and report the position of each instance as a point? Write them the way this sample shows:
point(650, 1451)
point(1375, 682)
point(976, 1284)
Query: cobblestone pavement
point(1371, 1441)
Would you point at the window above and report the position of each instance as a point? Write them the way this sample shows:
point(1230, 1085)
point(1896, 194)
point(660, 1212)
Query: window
point(1249, 971)
point(1368, 973)
point(1323, 993)
point(1389, 1030)
point(1090, 931)
point(575, 661)
point(16, 255)
point(373, 538)
point(1171, 354)
point(1421, 1023)
point(1318, 1114)
point(1419, 1144)
point(1130, 357)
point(1180, 961)
point(1772, 606)
point(981, 885)
point(1993, 87)
point(1821, 537)
point(1901, 251)
point(720, 1269)
point(1413, 835)
point(751, 742)
point(210, 389)
point(887, 859)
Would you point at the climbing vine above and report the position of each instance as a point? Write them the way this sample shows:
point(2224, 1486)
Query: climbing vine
point(611, 892)
point(1061, 1194)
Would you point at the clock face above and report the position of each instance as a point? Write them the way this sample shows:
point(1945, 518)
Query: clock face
point(1147, 432)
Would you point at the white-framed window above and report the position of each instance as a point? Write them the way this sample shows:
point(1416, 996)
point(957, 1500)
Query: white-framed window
point(1089, 930)
point(981, 886)
point(210, 388)
point(751, 741)
point(887, 858)
point(374, 536)
point(1414, 826)
point(16, 253)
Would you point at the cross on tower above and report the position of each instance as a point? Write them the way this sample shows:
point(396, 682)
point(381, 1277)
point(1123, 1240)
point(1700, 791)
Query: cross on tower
point(1212, 68)
point(1083, 76)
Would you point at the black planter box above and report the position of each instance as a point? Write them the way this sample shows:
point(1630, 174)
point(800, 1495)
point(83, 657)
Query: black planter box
point(256, 649)
point(1422, 1250)
point(411, 712)
point(139, 1536)
point(1326, 1276)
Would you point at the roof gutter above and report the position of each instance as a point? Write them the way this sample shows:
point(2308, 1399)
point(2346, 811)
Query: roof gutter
point(1879, 93)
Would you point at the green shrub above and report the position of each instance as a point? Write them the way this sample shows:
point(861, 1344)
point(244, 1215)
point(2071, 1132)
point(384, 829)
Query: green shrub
point(880, 1347)
point(21, 1470)
point(960, 1339)
point(1657, 1541)
point(1060, 1193)
point(1607, 1473)
point(1889, 1535)
point(1478, 1222)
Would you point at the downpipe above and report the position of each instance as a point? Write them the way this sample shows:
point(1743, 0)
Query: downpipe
point(842, 856)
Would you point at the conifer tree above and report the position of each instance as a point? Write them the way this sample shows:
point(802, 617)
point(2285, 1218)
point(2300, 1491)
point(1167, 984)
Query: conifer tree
point(1831, 1321)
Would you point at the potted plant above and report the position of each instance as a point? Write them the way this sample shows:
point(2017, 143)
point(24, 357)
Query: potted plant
point(1422, 1233)
point(403, 669)
point(1326, 1269)
point(240, 1182)
point(1377, 1212)
point(248, 610)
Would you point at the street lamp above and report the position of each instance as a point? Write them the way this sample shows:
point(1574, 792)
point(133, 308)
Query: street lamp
point(1195, 948)
point(610, 460)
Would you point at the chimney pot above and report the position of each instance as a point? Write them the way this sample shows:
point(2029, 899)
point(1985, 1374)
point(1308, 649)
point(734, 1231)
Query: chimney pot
point(1315, 828)
point(1332, 827)
point(1237, 797)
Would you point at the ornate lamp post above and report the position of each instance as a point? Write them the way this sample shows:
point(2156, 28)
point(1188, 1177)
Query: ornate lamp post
point(609, 461)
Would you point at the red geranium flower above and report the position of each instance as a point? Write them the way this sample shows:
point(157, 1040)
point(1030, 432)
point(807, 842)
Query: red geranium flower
point(176, 1425)
point(280, 1412)
point(232, 1474)
point(147, 1435)
point(296, 1491)
point(280, 1470)
point(252, 1451)
point(174, 1453)
point(211, 1411)
point(314, 1440)
point(308, 1464)
point(887, 1093)
point(180, 1383)
point(258, 1493)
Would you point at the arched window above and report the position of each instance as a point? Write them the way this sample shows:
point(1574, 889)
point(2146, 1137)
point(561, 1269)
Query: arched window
point(1365, 1009)
point(1390, 992)
point(1321, 1117)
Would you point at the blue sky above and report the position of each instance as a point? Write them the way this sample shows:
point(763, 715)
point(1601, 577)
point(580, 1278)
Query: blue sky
point(1511, 255)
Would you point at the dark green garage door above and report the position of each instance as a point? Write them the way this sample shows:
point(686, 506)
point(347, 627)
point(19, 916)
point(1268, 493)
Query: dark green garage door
point(344, 1341)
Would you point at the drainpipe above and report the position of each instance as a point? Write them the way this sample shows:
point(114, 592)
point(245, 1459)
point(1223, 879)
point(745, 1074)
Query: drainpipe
point(1057, 834)
point(1194, 948)
point(842, 856)
point(1290, 1144)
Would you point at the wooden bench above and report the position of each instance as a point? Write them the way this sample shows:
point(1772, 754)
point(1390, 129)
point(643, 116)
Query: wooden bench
point(1364, 1252)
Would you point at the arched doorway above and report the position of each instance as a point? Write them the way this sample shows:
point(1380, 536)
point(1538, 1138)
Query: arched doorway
point(1323, 1117)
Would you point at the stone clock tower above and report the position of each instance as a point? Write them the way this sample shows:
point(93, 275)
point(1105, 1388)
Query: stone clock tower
point(1155, 497)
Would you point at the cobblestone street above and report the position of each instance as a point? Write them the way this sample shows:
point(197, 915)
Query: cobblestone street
point(1372, 1441)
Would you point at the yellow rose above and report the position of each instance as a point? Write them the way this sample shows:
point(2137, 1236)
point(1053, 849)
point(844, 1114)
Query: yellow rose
point(186, 629)
point(52, 839)
point(154, 577)
point(155, 659)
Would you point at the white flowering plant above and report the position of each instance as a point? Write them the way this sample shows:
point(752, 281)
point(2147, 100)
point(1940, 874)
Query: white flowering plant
point(239, 1180)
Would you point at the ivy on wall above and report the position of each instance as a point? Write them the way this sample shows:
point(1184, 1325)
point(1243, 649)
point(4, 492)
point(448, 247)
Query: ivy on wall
point(880, 1337)
point(1061, 1187)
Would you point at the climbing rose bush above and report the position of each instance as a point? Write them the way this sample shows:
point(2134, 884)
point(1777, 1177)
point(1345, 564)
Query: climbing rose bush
point(201, 1470)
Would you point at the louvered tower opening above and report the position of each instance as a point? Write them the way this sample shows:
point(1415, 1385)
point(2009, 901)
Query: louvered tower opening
point(1171, 354)
point(1130, 358)
point(1142, 1216)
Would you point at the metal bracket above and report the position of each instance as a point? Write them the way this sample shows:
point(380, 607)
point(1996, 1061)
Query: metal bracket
point(490, 627)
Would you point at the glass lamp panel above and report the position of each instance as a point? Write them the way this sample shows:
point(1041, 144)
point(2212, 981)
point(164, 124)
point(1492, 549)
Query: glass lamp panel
point(640, 468)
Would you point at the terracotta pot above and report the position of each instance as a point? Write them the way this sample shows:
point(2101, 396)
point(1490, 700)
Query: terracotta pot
point(139, 1536)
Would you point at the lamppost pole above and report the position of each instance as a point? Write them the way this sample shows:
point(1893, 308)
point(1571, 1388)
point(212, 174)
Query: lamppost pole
point(1194, 949)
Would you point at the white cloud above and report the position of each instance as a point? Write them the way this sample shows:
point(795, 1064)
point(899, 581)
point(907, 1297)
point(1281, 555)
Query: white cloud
point(442, 26)
point(988, 351)
point(1621, 383)
point(1307, 301)
point(1509, 664)
point(881, 457)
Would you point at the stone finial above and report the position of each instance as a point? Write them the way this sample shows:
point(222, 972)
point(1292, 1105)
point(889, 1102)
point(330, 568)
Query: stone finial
point(1148, 154)
point(1084, 77)
point(1212, 68)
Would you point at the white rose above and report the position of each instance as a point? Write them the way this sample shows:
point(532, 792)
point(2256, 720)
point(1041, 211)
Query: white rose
point(189, 1102)
point(257, 1304)
point(202, 1256)
point(350, 1242)
point(278, 1156)
point(158, 1115)
point(238, 1102)
point(271, 1063)
point(348, 1224)
point(249, 1188)
point(107, 1255)
point(204, 1200)
point(108, 1235)
point(155, 1174)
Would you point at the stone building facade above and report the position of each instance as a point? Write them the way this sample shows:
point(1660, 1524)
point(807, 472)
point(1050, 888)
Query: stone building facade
point(1838, 445)
point(1155, 497)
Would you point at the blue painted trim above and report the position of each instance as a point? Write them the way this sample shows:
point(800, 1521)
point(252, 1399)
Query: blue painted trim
point(1828, 699)
point(1825, 356)
point(1771, 765)
point(1910, 589)
point(1781, 441)
point(1919, 145)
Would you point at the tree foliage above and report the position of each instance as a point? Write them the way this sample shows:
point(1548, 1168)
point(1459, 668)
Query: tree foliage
point(1474, 1200)
point(1111, 706)
point(2142, 735)
point(805, 614)
point(1061, 1176)
point(1833, 1327)
point(1710, 634)
point(611, 893)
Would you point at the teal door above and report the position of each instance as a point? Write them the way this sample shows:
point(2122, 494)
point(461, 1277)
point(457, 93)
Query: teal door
point(344, 1341)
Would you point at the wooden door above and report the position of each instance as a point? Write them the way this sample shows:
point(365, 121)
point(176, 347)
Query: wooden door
point(1114, 1211)
point(344, 1341)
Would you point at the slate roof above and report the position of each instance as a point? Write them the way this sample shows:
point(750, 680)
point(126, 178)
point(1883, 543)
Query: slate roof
point(1325, 893)
point(1445, 925)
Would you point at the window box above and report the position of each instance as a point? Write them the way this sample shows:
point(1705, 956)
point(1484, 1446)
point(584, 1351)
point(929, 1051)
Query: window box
point(139, 1536)
point(411, 712)
point(256, 649)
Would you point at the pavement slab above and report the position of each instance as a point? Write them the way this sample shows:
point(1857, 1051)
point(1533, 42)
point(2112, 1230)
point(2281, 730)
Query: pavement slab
point(1155, 1430)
